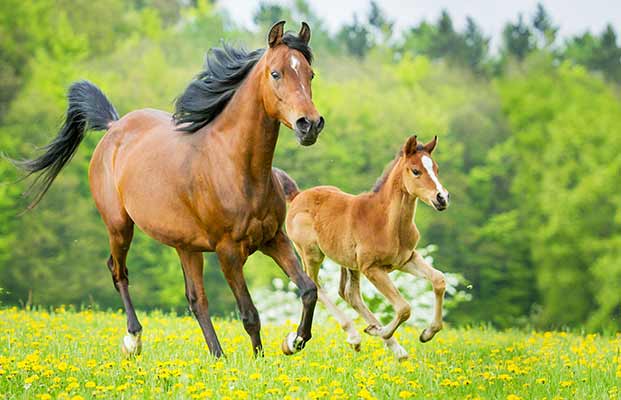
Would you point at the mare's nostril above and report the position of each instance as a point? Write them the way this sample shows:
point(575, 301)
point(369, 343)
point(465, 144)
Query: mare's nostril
point(441, 199)
point(319, 126)
point(303, 125)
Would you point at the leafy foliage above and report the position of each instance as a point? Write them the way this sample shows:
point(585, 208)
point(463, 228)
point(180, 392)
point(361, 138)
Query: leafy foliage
point(529, 148)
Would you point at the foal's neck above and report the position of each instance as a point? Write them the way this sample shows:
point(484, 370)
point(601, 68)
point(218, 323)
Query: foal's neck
point(398, 205)
point(248, 133)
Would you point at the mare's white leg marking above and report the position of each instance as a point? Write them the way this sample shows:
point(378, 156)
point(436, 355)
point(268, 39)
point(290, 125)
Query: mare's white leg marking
point(132, 344)
point(428, 164)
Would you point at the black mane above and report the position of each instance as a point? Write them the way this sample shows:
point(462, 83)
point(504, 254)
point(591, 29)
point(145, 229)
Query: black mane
point(225, 70)
point(387, 170)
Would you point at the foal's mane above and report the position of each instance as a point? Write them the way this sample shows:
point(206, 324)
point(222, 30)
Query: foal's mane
point(224, 71)
point(379, 183)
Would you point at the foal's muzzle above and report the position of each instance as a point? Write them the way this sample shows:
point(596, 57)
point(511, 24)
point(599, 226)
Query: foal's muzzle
point(307, 130)
point(441, 202)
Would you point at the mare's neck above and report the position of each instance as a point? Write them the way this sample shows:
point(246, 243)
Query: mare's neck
point(247, 133)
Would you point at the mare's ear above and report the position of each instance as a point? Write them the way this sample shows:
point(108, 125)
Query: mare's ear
point(431, 145)
point(409, 147)
point(305, 33)
point(274, 38)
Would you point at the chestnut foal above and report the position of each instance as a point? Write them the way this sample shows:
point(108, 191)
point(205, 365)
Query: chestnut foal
point(372, 233)
point(200, 180)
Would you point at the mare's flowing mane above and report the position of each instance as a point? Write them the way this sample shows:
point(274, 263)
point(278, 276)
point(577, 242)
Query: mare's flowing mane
point(225, 70)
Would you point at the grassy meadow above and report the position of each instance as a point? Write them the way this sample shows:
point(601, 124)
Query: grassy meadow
point(76, 355)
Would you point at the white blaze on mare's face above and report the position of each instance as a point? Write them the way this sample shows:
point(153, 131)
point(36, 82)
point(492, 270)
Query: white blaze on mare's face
point(428, 164)
point(295, 63)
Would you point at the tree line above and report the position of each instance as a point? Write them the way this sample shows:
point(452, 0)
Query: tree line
point(529, 146)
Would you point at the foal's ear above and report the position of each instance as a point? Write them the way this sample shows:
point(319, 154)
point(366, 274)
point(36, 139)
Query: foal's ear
point(410, 146)
point(431, 145)
point(276, 31)
point(305, 33)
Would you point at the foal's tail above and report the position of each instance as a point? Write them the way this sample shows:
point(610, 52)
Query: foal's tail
point(88, 109)
point(288, 184)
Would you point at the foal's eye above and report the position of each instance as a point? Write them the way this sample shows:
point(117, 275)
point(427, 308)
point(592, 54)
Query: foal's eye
point(312, 76)
point(416, 172)
point(275, 75)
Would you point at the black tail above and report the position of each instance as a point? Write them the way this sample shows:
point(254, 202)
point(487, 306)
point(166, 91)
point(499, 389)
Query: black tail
point(88, 109)
point(289, 186)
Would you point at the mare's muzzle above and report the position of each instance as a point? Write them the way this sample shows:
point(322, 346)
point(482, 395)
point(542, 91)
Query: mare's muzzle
point(307, 130)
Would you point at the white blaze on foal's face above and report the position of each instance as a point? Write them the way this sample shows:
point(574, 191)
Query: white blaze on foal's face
point(428, 164)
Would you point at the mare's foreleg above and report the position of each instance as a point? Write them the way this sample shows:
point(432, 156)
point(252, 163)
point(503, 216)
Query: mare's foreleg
point(279, 249)
point(192, 264)
point(232, 259)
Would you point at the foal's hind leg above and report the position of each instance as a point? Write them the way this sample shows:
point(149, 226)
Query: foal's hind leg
point(349, 290)
point(312, 257)
point(120, 235)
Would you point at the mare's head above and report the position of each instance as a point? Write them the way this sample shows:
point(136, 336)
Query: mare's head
point(420, 173)
point(286, 82)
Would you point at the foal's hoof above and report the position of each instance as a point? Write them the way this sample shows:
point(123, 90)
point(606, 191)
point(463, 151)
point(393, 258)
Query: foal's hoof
point(292, 344)
point(131, 344)
point(427, 334)
point(397, 350)
point(373, 330)
point(356, 347)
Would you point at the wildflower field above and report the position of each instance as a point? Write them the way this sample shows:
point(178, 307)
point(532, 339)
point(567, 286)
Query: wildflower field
point(75, 355)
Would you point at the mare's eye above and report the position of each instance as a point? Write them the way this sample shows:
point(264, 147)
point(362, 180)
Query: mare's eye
point(312, 76)
point(275, 75)
point(416, 172)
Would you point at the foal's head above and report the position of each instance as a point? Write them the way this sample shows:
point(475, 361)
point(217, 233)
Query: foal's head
point(420, 174)
point(286, 82)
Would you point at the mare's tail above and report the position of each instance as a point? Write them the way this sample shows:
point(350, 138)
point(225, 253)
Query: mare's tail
point(289, 186)
point(88, 109)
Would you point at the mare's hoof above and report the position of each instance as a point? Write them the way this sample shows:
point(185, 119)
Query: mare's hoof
point(131, 344)
point(292, 344)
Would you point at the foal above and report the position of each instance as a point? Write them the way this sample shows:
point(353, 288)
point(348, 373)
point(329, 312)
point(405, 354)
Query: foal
point(372, 233)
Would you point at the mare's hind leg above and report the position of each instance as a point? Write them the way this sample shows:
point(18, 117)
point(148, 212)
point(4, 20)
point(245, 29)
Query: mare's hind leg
point(312, 257)
point(349, 290)
point(192, 264)
point(120, 235)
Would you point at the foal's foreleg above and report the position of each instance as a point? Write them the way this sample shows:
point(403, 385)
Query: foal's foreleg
point(279, 248)
point(120, 240)
point(419, 267)
point(232, 260)
point(350, 292)
point(378, 276)
point(192, 264)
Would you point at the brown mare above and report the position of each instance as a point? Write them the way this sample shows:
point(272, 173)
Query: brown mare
point(373, 233)
point(200, 180)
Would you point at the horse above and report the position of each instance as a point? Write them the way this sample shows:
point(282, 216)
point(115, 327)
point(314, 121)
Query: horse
point(373, 233)
point(200, 180)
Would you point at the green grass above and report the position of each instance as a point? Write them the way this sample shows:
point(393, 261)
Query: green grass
point(77, 355)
